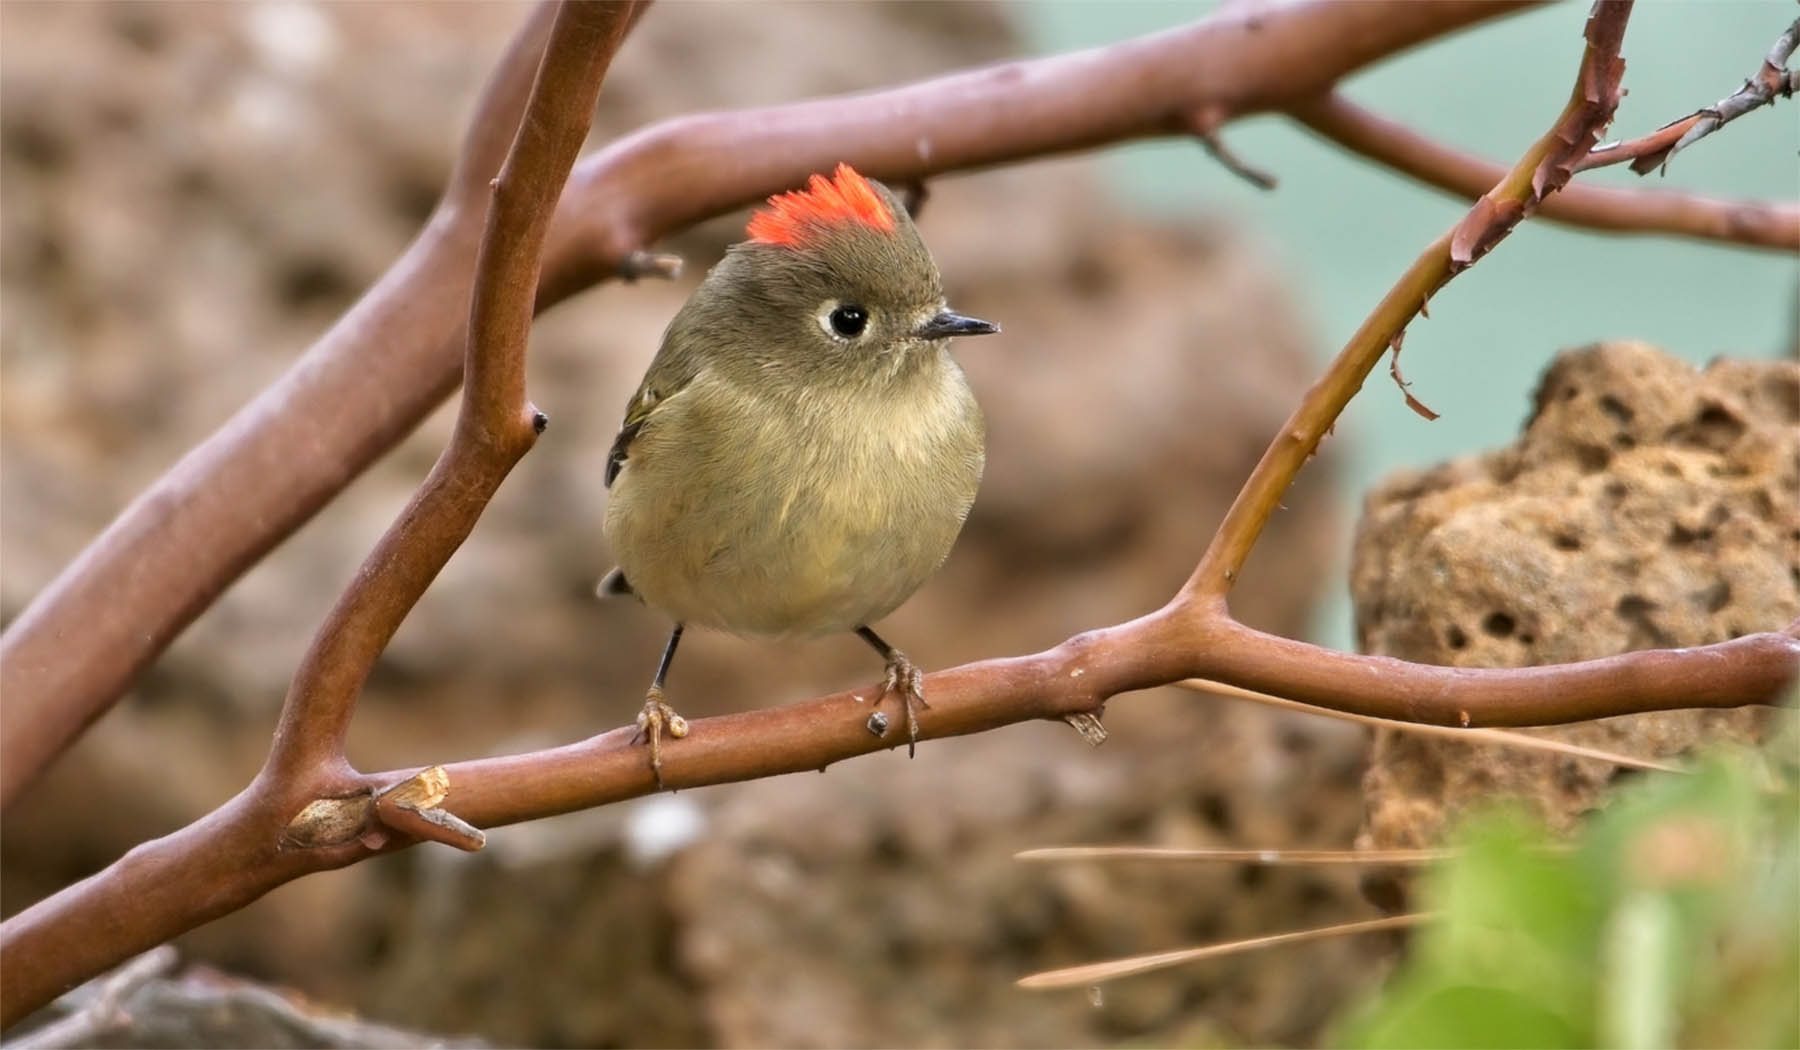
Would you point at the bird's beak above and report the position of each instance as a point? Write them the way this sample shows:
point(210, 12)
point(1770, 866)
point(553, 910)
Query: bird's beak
point(947, 324)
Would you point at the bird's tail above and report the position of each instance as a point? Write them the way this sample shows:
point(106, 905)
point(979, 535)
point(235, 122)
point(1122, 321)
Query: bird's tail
point(614, 585)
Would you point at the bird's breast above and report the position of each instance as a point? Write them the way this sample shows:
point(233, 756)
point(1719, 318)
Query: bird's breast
point(808, 515)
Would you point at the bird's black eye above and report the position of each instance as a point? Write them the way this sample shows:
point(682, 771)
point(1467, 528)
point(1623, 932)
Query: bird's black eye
point(849, 321)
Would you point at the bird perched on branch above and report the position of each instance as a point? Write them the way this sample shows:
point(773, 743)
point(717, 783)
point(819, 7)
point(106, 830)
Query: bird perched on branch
point(803, 450)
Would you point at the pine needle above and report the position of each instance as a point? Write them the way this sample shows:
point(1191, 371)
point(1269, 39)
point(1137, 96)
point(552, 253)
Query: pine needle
point(1240, 856)
point(1094, 973)
point(1501, 737)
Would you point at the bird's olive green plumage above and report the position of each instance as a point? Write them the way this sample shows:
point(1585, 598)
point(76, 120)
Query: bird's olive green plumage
point(775, 476)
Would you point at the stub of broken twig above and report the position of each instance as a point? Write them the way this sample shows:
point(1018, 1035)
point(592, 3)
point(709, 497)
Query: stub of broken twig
point(412, 807)
point(1204, 125)
point(1088, 725)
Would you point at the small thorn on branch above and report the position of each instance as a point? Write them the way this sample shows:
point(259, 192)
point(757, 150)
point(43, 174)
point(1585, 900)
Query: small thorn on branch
point(1088, 725)
point(411, 807)
point(639, 264)
point(1205, 126)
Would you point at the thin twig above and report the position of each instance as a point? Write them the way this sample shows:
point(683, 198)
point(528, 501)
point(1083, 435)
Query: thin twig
point(1653, 152)
point(1752, 224)
point(103, 1014)
point(1545, 168)
point(1112, 970)
point(1205, 125)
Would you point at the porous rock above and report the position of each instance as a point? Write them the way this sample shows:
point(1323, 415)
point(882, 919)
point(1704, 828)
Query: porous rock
point(1648, 504)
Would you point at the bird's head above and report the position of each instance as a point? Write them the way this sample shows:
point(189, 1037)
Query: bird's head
point(835, 280)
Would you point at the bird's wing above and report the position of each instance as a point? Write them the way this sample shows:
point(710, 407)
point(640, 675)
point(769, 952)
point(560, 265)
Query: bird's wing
point(642, 404)
point(666, 378)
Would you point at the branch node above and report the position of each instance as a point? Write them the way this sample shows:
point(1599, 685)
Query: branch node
point(539, 421)
point(1088, 725)
point(328, 822)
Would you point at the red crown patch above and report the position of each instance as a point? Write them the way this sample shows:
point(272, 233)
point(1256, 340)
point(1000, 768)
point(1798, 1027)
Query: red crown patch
point(793, 218)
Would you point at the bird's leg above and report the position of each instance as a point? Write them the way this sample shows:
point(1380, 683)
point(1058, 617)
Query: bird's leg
point(657, 716)
point(903, 677)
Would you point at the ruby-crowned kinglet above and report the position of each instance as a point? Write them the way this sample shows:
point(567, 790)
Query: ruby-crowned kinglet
point(803, 450)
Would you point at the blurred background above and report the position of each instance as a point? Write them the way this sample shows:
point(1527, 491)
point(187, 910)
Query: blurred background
point(191, 193)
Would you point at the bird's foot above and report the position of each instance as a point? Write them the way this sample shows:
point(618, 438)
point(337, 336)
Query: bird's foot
point(653, 721)
point(905, 678)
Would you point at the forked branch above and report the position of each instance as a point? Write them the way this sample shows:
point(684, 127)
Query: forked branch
point(1653, 152)
point(1544, 169)
point(292, 818)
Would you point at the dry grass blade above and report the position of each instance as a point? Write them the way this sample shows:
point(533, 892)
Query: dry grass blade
point(1500, 737)
point(1094, 973)
point(1236, 856)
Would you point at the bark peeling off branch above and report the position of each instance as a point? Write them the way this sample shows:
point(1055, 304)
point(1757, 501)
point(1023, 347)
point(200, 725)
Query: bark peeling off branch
point(1653, 152)
point(74, 649)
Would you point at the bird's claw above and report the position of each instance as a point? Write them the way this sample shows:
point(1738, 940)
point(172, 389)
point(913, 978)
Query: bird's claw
point(655, 719)
point(905, 678)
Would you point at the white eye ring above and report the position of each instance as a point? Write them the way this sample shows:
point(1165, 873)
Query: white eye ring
point(843, 321)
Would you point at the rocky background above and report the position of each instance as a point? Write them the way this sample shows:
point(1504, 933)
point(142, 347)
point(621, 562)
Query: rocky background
point(1646, 505)
point(194, 192)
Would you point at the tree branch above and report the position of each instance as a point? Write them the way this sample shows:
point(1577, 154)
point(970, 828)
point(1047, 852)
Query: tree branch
point(360, 389)
point(1754, 224)
point(496, 425)
point(1653, 152)
point(242, 849)
point(1545, 168)
point(73, 650)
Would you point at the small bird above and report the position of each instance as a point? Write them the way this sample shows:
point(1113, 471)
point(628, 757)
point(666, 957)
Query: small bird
point(803, 450)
